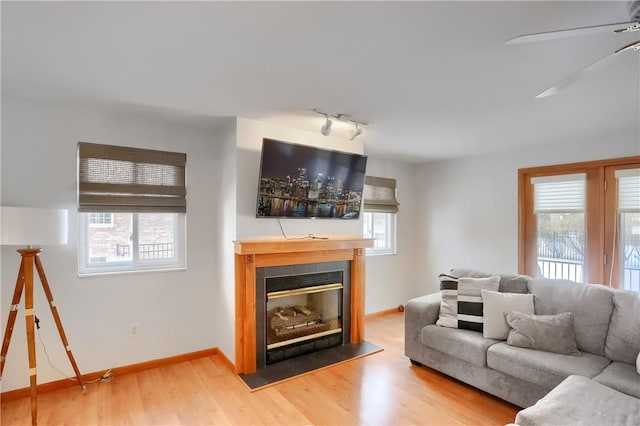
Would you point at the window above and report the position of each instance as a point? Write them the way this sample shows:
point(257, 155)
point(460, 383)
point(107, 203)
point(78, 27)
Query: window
point(132, 208)
point(559, 203)
point(136, 241)
point(379, 218)
point(100, 219)
point(581, 222)
point(382, 228)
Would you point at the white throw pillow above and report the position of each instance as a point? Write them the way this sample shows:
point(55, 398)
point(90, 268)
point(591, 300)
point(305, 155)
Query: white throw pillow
point(495, 305)
point(638, 363)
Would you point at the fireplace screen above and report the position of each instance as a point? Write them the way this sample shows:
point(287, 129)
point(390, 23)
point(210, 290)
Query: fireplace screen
point(303, 320)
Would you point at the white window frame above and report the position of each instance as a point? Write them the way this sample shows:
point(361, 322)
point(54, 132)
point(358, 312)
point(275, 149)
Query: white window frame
point(86, 267)
point(389, 247)
point(101, 224)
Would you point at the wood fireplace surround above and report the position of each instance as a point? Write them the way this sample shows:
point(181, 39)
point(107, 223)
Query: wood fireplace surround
point(252, 254)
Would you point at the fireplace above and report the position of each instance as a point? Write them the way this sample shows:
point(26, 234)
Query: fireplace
point(336, 302)
point(301, 309)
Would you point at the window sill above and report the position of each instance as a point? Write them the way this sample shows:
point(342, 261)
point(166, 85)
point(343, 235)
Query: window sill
point(130, 271)
point(389, 253)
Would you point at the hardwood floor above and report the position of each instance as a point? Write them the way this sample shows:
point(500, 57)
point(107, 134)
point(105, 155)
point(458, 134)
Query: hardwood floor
point(380, 389)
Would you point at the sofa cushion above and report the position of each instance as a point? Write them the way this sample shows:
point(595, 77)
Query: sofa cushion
point(467, 345)
point(448, 316)
point(623, 339)
point(509, 283)
point(552, 333)
point(494, 307)
point(590, 304)
point(461, 301)
point(470, 306)
point(581, 402)
point(622, 377)
point(545, 369)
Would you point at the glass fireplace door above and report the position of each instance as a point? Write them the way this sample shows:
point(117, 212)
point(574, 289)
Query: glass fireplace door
point(303, 320)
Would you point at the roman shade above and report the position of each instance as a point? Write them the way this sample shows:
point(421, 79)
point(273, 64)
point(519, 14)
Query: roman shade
point(628, 190)
point(380, 195)
point(559, 193)
point(122, 179)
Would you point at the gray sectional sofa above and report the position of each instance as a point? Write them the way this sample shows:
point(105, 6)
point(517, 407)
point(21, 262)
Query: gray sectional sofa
point(606, 324)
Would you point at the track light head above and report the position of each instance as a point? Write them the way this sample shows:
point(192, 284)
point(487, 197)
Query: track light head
point(342, 118)
point(356, 132)
point(326, 127)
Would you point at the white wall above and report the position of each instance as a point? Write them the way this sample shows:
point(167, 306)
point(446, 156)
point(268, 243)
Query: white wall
point(176, 310)
point(243, 162)
point(250, 134)
point(390, 278)
point(225, 219)
point(468, 208)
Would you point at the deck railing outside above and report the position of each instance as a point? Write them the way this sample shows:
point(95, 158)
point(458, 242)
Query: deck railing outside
point(561, 256)
point(148, 251)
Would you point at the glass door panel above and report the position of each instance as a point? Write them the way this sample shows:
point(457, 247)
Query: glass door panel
point(561, 246)
point(629, 249)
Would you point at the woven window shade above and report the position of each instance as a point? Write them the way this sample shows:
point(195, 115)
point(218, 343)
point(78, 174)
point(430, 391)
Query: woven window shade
point(121, 179)
point(380, 195)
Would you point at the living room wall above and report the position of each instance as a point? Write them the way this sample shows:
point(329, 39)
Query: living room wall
point(175, 310)
point(391, 278)
point(178, 312)
point(249, 144)
point(468, 208)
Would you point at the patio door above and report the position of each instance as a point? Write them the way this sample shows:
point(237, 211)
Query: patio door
point(622, 227)
point(559, 205)
point(581, 222)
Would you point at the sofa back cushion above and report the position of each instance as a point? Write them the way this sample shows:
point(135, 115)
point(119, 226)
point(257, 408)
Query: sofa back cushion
point(509, 283)
point(591, 305)
point(623, 339)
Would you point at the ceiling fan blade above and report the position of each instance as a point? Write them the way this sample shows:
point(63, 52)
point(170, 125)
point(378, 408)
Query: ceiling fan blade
point(573, 78)
point(573, 32)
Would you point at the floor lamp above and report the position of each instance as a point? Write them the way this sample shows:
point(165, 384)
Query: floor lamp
point(30, 227)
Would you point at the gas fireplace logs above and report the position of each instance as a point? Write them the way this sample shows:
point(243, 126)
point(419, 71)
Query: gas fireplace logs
point(295, 321)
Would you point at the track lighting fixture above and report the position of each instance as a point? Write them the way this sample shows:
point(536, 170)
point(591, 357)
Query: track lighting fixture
point(326, 127)
point(356, 132)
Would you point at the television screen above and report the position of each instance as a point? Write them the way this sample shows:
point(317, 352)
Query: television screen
point(302, 181)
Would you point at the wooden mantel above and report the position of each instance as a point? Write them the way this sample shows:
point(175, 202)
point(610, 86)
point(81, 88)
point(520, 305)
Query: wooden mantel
point(252, 254)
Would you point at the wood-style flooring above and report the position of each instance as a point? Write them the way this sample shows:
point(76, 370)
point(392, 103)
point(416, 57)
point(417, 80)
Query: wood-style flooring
point(380, 389)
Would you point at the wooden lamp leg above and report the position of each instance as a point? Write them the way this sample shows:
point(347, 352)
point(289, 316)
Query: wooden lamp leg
point(31, 339)
point(17, 295)
point(56, 317)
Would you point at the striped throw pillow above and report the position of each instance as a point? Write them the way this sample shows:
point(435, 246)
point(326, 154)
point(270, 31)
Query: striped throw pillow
point(461, 301)
point(448, 316)
point(470, 300)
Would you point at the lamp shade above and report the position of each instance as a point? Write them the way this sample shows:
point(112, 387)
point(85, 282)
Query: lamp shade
point(26, 226)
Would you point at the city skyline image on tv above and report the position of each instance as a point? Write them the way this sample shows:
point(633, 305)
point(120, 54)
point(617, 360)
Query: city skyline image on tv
point(301, 181)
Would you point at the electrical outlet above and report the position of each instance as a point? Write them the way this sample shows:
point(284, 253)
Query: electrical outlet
point(134, 329)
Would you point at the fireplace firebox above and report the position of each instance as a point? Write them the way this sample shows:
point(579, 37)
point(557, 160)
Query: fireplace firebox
point(305, 309)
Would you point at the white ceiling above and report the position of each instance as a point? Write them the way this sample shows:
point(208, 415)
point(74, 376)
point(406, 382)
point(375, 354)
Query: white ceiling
point(434, 79)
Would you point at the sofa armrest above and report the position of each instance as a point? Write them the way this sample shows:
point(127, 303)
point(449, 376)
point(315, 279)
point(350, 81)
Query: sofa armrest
point(422, 310)
point(418, 313)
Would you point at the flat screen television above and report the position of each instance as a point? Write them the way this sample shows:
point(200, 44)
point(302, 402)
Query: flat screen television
point(300, 181)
